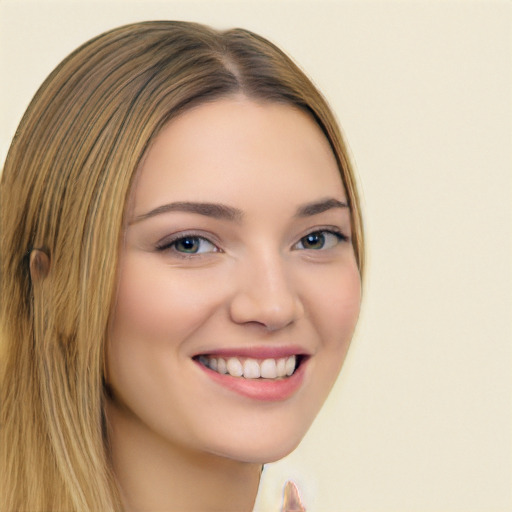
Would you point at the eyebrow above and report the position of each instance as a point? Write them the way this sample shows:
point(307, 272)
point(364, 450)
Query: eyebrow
point(224, 212)
point(321, 206)
point(216, 210)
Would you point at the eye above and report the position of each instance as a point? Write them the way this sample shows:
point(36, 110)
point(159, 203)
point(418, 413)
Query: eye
point(189, 244)
point(318, 240)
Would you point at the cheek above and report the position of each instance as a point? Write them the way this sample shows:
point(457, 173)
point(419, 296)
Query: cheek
point(155, 314)
point(156, 304)
point(156, 311)
point(334, 301)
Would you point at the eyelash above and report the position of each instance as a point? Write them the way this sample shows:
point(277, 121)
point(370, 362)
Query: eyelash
point(331, 231)
point(170, 245)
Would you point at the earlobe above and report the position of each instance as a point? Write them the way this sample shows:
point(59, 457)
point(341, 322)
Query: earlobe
point(39, 264)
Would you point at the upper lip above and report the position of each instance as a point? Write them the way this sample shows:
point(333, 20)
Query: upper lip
point(257, 352)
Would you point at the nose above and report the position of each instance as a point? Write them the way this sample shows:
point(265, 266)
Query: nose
point(266, 295)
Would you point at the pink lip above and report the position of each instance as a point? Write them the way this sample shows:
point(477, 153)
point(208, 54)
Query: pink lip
point(264, 352)
point(266, 390)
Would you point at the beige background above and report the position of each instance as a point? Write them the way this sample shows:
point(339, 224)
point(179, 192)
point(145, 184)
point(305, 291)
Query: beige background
point(421, 418)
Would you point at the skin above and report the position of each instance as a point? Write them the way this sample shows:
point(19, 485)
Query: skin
point(255, 281)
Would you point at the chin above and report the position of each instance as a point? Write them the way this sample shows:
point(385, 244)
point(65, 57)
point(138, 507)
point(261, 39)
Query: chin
point(258, 454)
point(261, 445)
point(272, 452)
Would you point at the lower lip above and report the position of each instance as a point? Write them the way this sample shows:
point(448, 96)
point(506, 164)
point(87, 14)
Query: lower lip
point(265, 390)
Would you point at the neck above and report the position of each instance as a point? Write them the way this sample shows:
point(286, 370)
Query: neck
point(155, 474)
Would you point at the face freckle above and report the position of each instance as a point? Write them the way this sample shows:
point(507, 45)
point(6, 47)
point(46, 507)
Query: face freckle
point(237, 247)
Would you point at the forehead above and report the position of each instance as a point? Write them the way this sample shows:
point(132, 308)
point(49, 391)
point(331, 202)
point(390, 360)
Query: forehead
point(233, 147)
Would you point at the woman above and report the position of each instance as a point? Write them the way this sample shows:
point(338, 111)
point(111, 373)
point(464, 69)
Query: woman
point(181, 246)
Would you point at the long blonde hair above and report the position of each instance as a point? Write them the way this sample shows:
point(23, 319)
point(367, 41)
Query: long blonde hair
point(62, 195)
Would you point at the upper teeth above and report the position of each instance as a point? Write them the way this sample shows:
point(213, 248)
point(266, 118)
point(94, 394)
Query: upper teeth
point(251, 368)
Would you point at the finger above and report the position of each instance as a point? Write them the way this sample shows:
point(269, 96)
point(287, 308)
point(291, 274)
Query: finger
point(291, 500)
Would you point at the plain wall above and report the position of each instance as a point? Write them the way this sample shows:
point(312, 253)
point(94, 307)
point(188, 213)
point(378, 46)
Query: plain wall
point(420, 419)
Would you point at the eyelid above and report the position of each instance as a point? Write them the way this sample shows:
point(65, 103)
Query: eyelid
point(329, 229)
point(333, 230)
point(167, 242)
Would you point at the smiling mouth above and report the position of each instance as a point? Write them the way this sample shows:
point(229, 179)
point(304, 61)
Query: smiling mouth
point(250, 368)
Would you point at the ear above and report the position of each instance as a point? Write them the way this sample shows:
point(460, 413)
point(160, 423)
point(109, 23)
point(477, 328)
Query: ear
point(39, 264)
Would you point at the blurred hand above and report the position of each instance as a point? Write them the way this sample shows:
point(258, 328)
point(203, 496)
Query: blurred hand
point(291, 499)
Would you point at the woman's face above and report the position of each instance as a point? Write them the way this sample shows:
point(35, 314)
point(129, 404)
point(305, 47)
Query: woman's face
point(237, 258)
